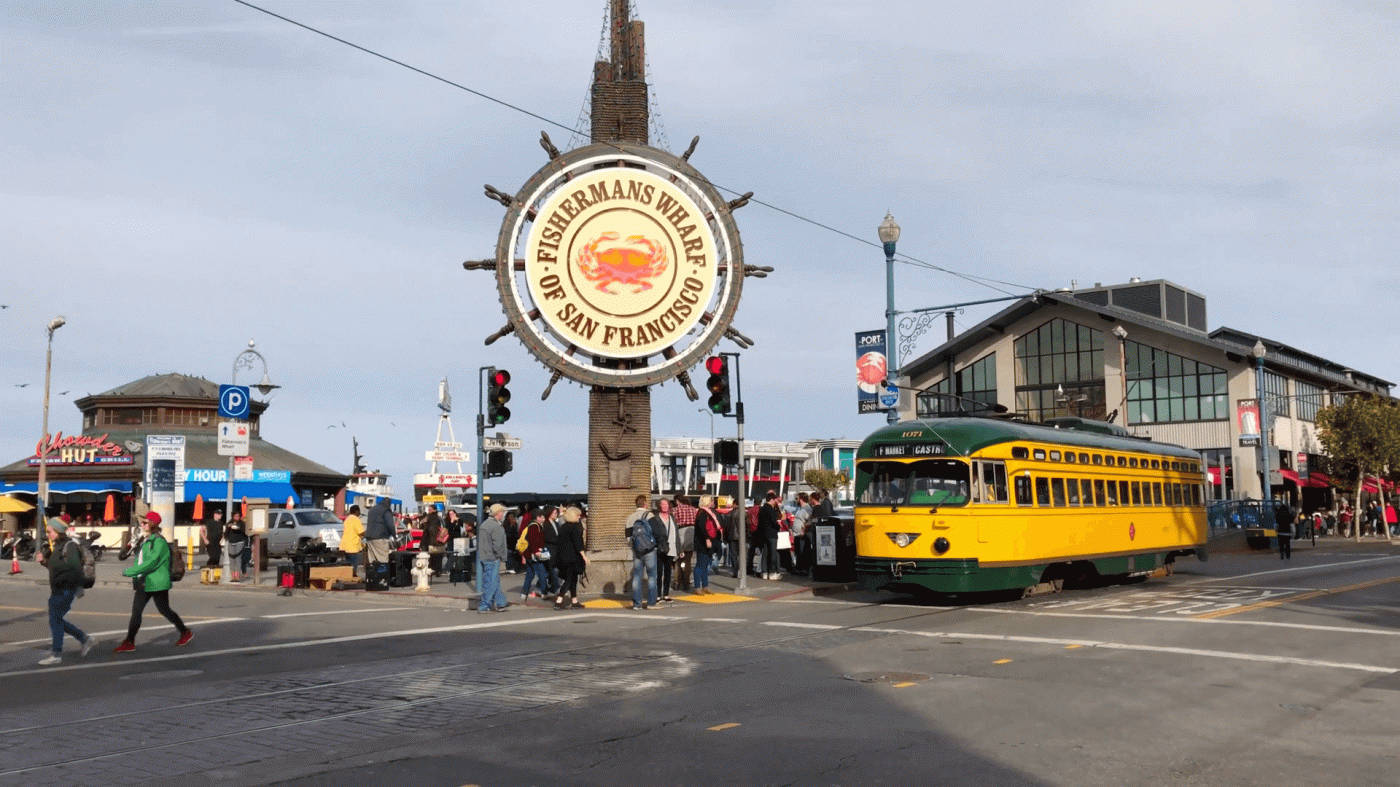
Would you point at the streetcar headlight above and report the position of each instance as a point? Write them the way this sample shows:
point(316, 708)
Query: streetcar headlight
point(940, 545)
point(903, 539)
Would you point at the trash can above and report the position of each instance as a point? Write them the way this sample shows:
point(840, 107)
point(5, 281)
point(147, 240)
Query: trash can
point(834, 549)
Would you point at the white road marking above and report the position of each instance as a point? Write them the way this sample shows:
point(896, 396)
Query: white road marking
point(1293, 570)
point(724, 620)
point(1089, 643)
point(335, 612)
point(1183, 619)
point(790, 624)
point(30, 672)
point(825, 601)
point(122, 631)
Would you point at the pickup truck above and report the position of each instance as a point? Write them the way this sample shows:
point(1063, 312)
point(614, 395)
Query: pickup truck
point(290, 528)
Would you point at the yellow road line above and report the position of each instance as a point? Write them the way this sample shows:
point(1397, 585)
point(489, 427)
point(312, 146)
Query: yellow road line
point(1072, 647)
point(1002, 661)
point(722, 727)
point(1220, 613)
point(904, 685)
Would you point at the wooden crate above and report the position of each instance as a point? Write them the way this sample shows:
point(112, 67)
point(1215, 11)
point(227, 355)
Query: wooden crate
point(325, 576)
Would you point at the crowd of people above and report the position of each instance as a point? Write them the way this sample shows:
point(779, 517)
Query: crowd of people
point(1374, 520)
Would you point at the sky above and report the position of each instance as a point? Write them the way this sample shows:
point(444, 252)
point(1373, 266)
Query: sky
point(179, 178)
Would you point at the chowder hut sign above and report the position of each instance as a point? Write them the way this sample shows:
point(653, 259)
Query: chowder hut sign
point(79, 450)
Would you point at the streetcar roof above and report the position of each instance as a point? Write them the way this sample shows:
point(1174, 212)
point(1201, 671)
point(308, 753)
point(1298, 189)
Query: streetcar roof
point(965, 436)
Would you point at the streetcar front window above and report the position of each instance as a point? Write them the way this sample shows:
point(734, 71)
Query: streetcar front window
point(930, 482)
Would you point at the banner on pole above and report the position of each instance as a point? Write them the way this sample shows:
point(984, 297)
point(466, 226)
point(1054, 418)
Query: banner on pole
point(871, 368)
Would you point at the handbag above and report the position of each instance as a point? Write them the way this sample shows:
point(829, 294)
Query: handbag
point(543, 555)
point(784, 540)
point(443, 536)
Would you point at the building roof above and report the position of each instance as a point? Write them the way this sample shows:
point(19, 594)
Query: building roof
point(201, 451)
point(173, 384)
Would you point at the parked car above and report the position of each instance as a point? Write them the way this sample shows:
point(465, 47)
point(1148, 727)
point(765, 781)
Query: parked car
point(289, 529)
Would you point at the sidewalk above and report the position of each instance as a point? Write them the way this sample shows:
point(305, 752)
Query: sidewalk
point(443, 593)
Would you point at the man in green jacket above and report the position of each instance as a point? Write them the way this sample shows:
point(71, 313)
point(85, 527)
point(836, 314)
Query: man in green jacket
point(65, 564)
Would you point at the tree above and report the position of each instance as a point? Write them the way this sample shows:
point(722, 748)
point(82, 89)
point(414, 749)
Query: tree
point(1362, 437)
point(826, 480)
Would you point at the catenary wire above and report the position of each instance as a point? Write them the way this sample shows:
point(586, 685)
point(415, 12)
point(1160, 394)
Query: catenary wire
point(899, 257)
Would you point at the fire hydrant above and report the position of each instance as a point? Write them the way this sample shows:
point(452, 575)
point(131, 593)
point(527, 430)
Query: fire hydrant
point(421, 572)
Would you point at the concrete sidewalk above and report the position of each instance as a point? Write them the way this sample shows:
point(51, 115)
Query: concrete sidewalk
point(443, 593)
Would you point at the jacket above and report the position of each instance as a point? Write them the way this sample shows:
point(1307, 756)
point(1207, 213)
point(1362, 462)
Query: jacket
point(768, 518)
point(381, 522)
point(570, 546)
point(534, 534)
point(152, 563)
point(660, 536)
point(491, 541)
point(703, 541)
point(352, 536)
point(65, 565)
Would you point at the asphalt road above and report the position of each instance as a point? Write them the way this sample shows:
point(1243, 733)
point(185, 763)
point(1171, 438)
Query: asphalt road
point(1242, 670)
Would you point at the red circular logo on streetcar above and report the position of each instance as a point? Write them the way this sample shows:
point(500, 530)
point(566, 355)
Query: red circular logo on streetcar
point(1132, 531)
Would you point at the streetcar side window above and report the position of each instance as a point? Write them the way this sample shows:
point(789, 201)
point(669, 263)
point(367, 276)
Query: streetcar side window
point(1112, 493)
point(1057, 486)
point(1069, 456)
point(1019, 452)
point(1042, 491)
point(1088, 491)
point(991, 482)
point(1054, 456)
point(1098, 493)
point(1122, 461)
point(1098, 459)
point(1023, 490)
point(1137, 493)
point(1083, 459)
point(1156, 493)
point(1178, 492)
point(1132, 461)
point(1123, 492)
point(1156, 465)
point(1039, 453)
point(1196, 494)
point(1072, 489)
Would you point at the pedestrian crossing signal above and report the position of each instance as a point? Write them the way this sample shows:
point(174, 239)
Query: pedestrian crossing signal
point(497, 394)
point(718, 384)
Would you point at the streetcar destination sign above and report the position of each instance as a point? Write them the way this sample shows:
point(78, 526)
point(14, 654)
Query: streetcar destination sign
point(911, 449)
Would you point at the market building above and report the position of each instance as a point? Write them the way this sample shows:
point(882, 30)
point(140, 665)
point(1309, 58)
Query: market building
point(1140, 354)
point(680, 465)
point(105, 465)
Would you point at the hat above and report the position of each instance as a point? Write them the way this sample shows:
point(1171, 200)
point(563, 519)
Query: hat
point(58, 525)
point(152, 517)
point(66, 519)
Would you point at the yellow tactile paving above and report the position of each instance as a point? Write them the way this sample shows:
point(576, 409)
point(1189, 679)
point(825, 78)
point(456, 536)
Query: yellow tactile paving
point(715, 598)
point(607, 603)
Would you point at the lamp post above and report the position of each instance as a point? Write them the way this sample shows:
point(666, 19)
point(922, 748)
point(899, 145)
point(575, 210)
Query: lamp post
point(244, 360)
point(889, 235)
point(1265, 489)
point(1121, 334)
point(42, 516)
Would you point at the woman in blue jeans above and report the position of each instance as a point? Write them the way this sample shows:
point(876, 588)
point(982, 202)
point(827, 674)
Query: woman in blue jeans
point(707, 538)
point(65, 565)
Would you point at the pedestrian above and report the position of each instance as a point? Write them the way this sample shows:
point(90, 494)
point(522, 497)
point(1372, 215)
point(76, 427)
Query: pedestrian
point(435, 540)
point(684, 514)
point(642, 538)
point(1283, 526)
point(213, 532)
point(491, 554)
point(536, 565)
point(551, 546)
point(65, 564)
point(379, 531)
point(731, 523)
point(236, 542)
point(769, 523)
point(667, 547)
point(150, 579)
point(571, 558)
point(707, 536)
point(801, 539)
point(1344, 522)
point(352, 539)
point(1392, 521)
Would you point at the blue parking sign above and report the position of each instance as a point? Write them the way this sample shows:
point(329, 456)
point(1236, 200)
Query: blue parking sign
point(233, 401)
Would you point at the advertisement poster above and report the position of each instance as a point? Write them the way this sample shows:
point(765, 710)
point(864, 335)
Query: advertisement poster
point(870, 370)
point(826, 545)
point(160, 447)
point(1247, 414)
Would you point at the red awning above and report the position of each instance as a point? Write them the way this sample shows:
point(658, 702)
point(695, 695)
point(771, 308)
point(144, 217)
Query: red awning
point(1289, 475)
point(1320, 479)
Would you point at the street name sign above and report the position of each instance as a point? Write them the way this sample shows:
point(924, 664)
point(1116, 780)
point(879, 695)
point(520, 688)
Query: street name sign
point(502, 442)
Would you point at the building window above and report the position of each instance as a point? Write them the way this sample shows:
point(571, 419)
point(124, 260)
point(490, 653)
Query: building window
point(1165, 387)
point(1059, 371)
point(1276, 393)
point(698, 466)
point(978, 380)
point(1309, 400)
point(672, 475)
point(934, 400)
point(767, 468)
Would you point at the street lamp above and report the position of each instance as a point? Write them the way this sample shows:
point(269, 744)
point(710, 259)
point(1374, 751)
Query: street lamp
point(1122, 335)
point(889, 235)
point(1258, 351)
point(42, 517)
point(244, 360)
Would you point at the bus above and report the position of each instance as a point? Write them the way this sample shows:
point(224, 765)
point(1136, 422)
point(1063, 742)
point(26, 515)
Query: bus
point(966, 504)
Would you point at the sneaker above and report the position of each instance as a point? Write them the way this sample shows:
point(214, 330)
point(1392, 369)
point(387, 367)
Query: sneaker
point(485, 611)
point(185, 638)
point(87, 646)
point(523, 596)
point(50, 660)
point(127, 646)
point(644, 607)
point(636, 606)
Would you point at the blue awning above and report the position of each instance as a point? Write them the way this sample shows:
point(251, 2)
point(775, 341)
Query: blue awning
point(67, 487)
point(276, 491)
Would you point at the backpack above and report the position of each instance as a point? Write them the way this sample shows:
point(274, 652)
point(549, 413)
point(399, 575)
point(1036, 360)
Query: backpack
point(177, 563)
point(522, 543)
point(753, 519)
point(443, 535)
point(89, 565)
point(642, 540)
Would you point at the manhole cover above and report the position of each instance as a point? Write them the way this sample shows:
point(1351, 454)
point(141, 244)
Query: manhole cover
point(886, 677)
point(164, 674)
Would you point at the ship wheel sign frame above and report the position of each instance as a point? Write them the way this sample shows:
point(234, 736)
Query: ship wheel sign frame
point(619, 265)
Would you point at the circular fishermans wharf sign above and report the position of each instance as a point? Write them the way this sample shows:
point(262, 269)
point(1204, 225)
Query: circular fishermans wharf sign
point(619, 265)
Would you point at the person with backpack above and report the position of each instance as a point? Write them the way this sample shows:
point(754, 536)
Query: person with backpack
point(65, 563)
point(643, 542)
point(667, 546)
point(707, 537)
point(531, 548)
point(151, 579)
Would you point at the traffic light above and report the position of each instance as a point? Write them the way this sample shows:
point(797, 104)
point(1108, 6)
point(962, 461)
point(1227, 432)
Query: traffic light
point(718, 384)
point(726, 453)
point(498, 463)
point(497, 394)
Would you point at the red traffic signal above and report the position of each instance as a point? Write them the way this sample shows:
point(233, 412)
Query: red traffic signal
point(499, 377)
point(716, 364)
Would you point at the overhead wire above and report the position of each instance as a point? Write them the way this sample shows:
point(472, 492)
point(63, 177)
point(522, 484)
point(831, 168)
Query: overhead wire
point(901, 257)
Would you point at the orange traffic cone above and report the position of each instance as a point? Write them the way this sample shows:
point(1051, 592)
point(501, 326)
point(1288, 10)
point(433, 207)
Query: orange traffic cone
point(14, 558)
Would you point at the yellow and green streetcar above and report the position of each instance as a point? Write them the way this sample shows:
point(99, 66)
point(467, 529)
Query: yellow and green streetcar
point(968, 504)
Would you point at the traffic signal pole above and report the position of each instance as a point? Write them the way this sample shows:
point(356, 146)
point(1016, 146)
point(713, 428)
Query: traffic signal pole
point(743, 524)
point(480, 469)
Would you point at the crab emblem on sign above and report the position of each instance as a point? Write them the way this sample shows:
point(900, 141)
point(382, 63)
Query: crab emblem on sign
point(619, 265)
